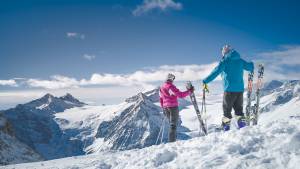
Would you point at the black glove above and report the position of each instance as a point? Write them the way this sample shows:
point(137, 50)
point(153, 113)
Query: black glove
point(192, 89)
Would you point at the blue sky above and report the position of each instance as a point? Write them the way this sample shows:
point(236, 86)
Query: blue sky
point(62, 44)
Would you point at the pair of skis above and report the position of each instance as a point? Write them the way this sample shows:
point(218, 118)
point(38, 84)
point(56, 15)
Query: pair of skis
point(203, 127)
point(252, 112)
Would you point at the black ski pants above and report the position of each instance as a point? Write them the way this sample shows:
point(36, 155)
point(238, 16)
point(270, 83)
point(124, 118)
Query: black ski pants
point(172, 114)
point(233, 100)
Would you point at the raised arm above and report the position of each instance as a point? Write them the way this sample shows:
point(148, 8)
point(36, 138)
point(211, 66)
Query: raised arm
point(178, 93)
point(249, 66)
point(217, 70)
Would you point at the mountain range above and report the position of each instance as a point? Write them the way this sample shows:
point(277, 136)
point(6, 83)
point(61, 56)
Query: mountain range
point(56, 127)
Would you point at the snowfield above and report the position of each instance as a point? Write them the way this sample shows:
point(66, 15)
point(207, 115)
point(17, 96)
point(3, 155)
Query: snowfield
point(273, 144)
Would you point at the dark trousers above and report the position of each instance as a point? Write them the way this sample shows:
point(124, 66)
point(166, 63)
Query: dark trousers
point(233, 100)
point(172, 114)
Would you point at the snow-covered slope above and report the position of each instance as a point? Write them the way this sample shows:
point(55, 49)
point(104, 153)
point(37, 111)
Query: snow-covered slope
point(33, 124)
point(282, 102)
point(134, 123)
point(57, 127)
point(11, 149)
point(82, 123)
point(273, 143)
point(137, 127)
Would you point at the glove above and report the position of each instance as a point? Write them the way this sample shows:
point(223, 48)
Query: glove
point(205, 87)
point(192, 89)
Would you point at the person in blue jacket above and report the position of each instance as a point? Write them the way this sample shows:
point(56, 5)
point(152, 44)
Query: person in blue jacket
point(231, 67)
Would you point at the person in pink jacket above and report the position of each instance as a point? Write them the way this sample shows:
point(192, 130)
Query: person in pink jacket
point(168, 100)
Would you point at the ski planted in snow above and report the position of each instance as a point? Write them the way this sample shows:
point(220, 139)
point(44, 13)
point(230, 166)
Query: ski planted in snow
point(249, 92)
point(195, 104)
point(258, 88)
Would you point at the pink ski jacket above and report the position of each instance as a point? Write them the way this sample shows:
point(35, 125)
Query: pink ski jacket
point(169, 93)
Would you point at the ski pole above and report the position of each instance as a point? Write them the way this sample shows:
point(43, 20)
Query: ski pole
point(163, 130)
point(204, 105)
point(160, 130)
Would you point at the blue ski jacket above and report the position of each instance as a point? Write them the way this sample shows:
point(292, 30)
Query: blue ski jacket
point(232, 68)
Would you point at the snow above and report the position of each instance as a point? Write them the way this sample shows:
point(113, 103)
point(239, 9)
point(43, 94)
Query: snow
point(14, 151)
point(87, 119)
point(68, 102)
point(45, 105)
point(136, 127)
point(49, 100)
point(213, 114)
point(41, 107)
point(273, 143)
point(85, 116)
point(282, 111)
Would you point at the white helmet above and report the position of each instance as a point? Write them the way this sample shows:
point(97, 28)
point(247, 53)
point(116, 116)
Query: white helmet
point(170, 77)
point(225, 49)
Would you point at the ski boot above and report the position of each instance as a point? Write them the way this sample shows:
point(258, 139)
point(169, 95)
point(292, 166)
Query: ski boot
point(241, 121)
point(226, 123)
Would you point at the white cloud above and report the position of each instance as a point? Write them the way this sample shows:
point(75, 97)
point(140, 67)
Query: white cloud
point(145, 78)
point(75, 35)
point(105, 79)
point(281, 64)
point(149, 5)
point(275, 68)
point(102, 88)
point(56, 82)
point(182, 73)
point(89, 57)
point(10, 82)
point(288, 55)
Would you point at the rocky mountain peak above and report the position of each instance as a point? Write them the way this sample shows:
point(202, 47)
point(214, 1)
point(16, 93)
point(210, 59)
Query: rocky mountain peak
point(71, 99)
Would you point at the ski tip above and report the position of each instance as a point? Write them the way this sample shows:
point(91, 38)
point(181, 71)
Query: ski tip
point(260, 64)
